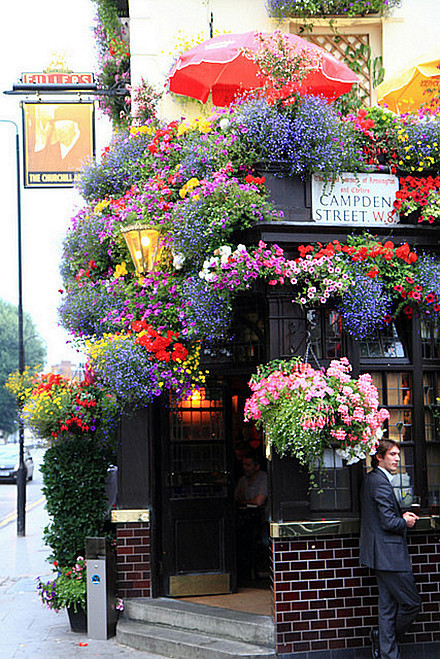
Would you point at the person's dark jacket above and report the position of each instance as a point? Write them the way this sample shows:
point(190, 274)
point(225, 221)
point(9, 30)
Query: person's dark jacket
point(383, 529)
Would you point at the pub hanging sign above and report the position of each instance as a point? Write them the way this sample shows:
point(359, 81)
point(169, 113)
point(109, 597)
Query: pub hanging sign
point(59, 138)
point(356, 199)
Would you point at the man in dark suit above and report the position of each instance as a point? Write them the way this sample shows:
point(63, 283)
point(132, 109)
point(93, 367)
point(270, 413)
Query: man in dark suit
point(383, 548)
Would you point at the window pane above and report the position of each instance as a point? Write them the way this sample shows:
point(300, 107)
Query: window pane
point(433, 462)
point(385, 343)
point(333, 485)
point(399, 389)
point(324, 333)
point(430, 335)
point(403, 480)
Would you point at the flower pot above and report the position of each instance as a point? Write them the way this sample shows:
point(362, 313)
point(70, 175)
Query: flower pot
point(290, 194)
point(77, 619)
point(410, 218)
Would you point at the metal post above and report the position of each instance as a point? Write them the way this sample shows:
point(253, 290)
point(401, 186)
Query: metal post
point(21, 473)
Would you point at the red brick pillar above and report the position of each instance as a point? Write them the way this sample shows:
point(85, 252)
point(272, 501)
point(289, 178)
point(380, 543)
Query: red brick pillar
point(133, 554)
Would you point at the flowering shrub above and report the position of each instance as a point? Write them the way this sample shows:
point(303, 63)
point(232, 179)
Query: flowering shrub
point(20, 385)
point(419, 194)
point(285, 8)
point(417, 144)
point(137, 367)
point(303, 410)
point(145, 99)
point(212, 210)
point(68, 589)
point(113, 62)
point(58, 406)
point(376, 128)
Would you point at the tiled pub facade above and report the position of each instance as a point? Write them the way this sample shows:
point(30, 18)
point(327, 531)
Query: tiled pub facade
point(324, 601)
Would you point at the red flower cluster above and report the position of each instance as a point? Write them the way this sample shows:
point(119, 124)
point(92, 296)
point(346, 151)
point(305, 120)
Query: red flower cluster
point(256, 180)
point(163, 139)
point(118, 48)
point(387, 251)
point(86, 273)
point(416, 191)
point(164, 348)
point(72, 400)
point(364, 123)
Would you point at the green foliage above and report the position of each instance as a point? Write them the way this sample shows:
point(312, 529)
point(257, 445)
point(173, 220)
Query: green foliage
point(35, 353)
point(307, 8)
point(68, 589)
point(113, 62)
point(74, 472)
point(354, 57)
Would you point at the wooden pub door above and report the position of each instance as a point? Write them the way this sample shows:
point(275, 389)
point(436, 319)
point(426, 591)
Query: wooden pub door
point(198, 537)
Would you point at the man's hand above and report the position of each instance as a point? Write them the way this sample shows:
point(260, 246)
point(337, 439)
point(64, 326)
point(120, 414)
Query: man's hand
point(410, 519)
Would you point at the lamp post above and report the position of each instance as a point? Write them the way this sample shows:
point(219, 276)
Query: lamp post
point(21, 473)
point(144, 245)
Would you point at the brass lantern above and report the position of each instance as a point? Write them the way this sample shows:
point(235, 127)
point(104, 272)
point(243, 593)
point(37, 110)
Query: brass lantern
point(144, 245)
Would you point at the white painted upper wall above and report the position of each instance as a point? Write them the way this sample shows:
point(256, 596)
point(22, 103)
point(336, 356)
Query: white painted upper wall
point(158, 26)
point(412, 30)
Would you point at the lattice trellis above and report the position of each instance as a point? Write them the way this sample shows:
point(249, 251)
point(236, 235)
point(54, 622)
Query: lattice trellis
point(337, 44)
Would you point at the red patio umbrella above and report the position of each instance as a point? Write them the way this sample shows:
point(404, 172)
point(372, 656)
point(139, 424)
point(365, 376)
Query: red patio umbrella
point(219, 66)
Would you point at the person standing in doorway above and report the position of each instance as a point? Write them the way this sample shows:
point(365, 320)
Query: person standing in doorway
point(383, 548)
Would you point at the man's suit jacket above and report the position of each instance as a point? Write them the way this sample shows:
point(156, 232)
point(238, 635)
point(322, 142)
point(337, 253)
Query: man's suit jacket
point(383, 529)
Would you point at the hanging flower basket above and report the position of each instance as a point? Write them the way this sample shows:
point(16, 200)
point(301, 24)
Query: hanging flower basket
point(303, 410)
point(369, 282)
point(328, 8)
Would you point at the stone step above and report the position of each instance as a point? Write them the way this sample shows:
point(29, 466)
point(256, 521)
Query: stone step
point(223, 623)
point(176, 643)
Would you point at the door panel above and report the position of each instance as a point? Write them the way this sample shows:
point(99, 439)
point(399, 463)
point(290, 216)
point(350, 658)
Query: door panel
point(197, 505)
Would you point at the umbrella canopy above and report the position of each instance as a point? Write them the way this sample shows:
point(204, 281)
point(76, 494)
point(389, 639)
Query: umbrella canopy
point(221, 67)
point(408, 89)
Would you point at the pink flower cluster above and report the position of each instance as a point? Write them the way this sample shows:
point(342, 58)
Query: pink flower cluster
point(321, 278)
point(330, 405)
point(318, 278)
point(236, 270)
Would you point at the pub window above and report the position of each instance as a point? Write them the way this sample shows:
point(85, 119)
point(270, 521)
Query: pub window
point(386, 343)
point(324, 334)
point(332, 482)
point(431, 391)
point(430, 336)
point(396, 394)
point(198, 455)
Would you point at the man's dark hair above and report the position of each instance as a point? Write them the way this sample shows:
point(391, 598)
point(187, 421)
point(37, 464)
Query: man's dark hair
point(383, 446)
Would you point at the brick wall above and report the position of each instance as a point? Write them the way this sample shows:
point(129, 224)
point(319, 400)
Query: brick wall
point(326, 602)
point(133, 559)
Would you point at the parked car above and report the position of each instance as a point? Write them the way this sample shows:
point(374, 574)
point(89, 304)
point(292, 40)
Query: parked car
point(9, 462)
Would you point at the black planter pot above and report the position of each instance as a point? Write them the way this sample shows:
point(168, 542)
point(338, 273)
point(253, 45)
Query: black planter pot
point(410, 218)
point(77, 619)
point(290, 194)
point(403, 173)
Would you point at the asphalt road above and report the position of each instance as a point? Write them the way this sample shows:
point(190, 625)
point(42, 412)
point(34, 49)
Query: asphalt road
point(8, 492)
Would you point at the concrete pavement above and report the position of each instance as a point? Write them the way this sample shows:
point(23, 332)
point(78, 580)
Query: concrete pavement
point(27, 629)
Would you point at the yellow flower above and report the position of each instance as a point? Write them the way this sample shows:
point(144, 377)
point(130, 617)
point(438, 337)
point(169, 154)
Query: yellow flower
point(100, 206)
point(203, 125)
point(188, 186)
point(182, 128)
point(120, 270)
point(141, 130)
